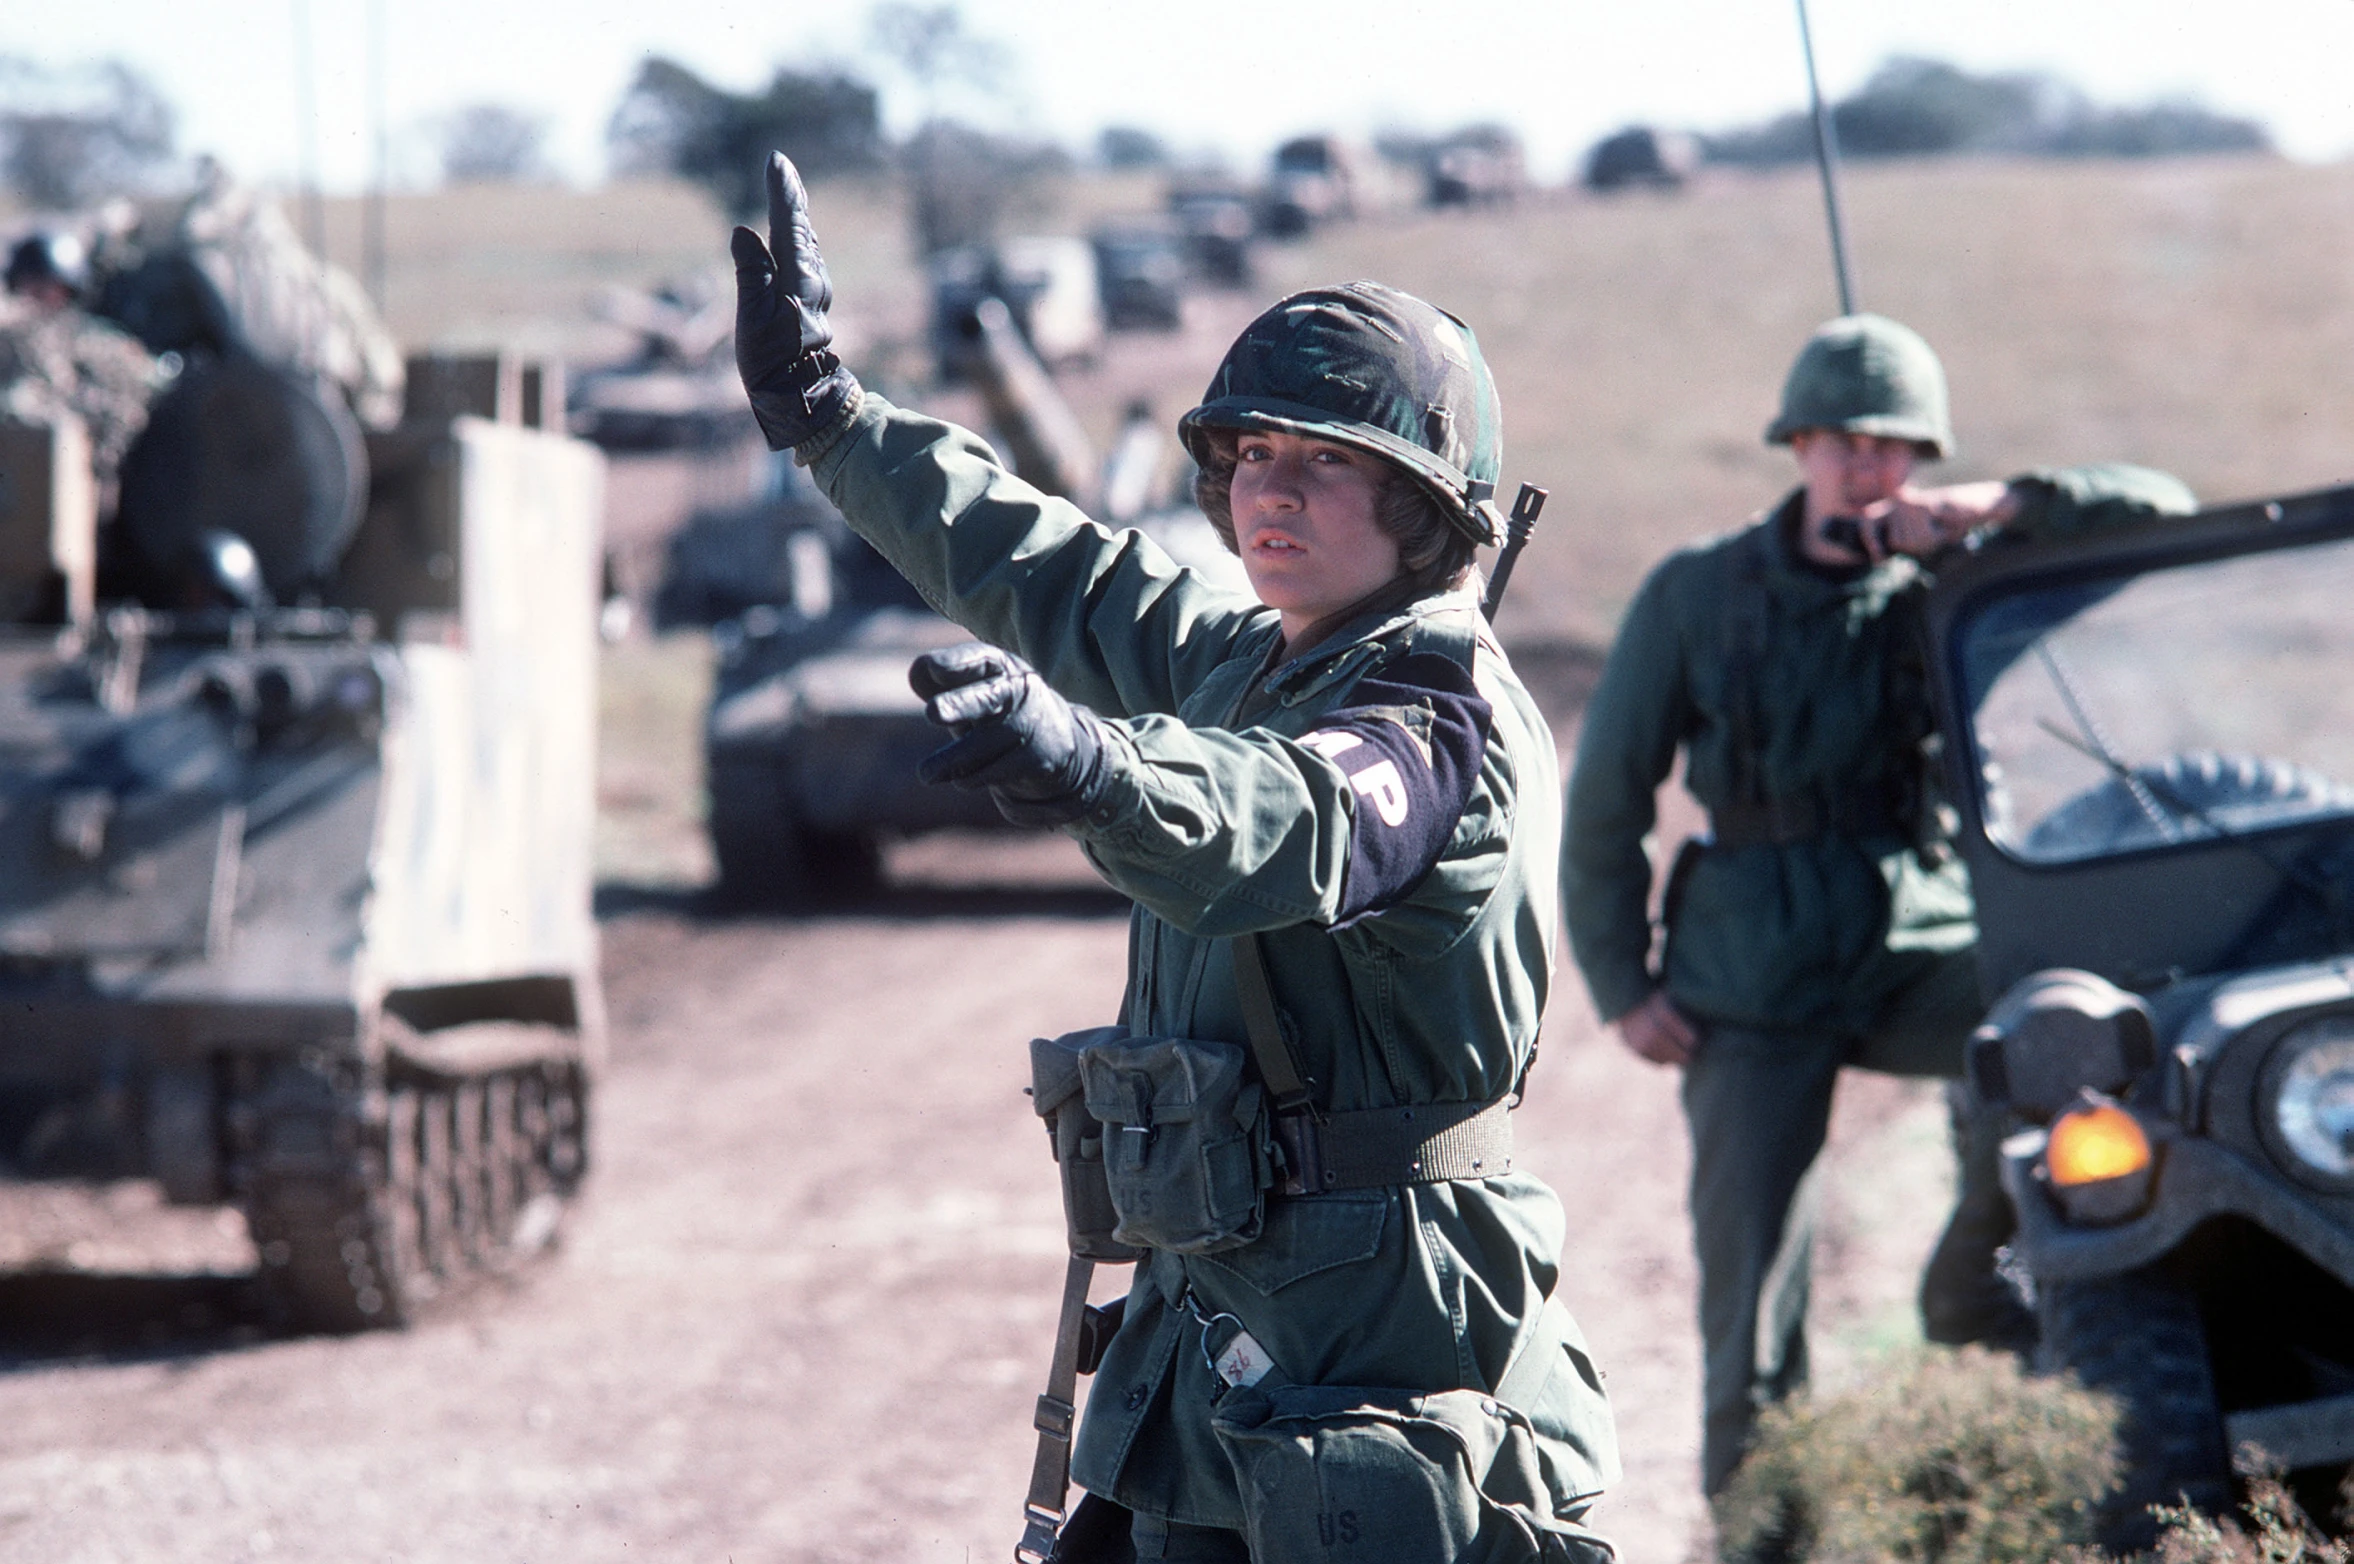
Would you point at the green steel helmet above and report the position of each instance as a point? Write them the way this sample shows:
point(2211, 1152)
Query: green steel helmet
point(1868, 375)
point(1368, 366)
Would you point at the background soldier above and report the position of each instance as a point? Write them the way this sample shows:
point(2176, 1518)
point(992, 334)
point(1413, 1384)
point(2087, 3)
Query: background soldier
point(57, 357)
point(1821, 922)
point(1341, 787)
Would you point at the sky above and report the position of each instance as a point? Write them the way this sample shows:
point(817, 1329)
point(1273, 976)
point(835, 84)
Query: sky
point(1204, 78)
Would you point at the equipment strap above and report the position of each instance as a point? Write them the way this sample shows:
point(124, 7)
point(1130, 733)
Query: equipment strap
point(1422, 1143)
point(1278, 1068)
point(1057, 1416)
point(1531, 1369)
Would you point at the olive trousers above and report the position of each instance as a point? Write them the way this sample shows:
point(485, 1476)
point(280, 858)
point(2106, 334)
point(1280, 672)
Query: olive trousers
point(1759, 1105)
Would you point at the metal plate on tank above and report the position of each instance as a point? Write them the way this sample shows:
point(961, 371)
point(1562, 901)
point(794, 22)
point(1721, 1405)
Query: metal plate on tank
point(161, 882)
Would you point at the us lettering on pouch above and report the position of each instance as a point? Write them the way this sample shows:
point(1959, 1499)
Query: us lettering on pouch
point(1379, 782)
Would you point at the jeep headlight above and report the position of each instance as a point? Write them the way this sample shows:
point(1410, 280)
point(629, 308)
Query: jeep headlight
point(2312, 1098)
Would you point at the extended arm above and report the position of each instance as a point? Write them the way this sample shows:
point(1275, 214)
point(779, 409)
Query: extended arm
point(1225, 832)
point(1107, 619)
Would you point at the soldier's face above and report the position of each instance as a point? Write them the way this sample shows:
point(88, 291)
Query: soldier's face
point(1305, 522)
point(1847, 474)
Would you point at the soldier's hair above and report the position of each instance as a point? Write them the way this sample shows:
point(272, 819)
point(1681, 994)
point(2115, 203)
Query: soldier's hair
point(1428, 547)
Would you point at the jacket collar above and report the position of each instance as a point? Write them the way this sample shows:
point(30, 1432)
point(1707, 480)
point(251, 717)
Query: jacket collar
point(1346, 649)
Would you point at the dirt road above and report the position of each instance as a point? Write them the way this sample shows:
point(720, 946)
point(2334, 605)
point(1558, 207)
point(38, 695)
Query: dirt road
point(804, 1312)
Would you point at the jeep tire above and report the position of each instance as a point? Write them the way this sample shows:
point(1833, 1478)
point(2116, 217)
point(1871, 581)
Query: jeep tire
point(2138, 1336)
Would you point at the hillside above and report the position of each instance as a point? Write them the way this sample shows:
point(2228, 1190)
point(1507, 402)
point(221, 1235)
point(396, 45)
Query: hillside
point(2196, 314)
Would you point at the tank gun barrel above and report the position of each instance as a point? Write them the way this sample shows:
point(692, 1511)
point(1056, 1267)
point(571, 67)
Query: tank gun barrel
point(1048, 445)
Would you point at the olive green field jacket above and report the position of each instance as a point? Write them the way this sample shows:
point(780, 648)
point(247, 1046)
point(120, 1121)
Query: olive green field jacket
point(1784, 683)
point(1219, 822)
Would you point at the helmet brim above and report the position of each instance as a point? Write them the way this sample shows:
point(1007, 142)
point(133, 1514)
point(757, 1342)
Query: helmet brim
point(1926, 440)
point(1467, 503)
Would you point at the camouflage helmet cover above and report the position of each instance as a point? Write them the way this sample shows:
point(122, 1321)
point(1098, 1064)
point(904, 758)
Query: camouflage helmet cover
point(1868, 375)
point(1365, 365)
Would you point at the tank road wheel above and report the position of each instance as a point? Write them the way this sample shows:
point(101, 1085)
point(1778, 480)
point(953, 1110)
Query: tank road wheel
point(361, 1224)
point(755, 844)
point(767, 856)
point(316, 1187)
point(2139, 1337)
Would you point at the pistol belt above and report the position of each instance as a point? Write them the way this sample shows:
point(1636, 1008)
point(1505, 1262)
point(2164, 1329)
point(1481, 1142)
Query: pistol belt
point(1801, 817)
point(1423, 1143)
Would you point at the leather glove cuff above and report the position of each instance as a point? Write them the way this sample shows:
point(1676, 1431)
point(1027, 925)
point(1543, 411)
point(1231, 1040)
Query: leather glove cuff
point(1089, 774)
point(814, 397)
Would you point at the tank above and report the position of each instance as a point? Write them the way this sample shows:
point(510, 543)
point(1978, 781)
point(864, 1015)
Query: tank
point(1140, 267)
point(813, 736)
point(678, 389)
point(2150, 747)
point(295, 834)
point(1640, 157)
point(1479, 165)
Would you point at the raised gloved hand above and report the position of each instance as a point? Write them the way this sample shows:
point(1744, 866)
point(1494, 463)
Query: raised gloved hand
point(784, 348)
point(1040, 757)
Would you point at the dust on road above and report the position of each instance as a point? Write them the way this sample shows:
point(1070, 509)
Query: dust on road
point(808, 1303)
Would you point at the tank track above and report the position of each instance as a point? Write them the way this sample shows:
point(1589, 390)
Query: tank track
point(370, 1201)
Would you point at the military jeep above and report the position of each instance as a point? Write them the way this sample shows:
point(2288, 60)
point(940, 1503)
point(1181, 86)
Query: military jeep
point(2149, 736)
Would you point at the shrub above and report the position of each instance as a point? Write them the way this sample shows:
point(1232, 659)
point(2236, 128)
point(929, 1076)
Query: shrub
point(2281, 1532)
point(1952, 1458)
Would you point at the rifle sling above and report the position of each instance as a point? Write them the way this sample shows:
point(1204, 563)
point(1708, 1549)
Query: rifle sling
point(1056, 1418)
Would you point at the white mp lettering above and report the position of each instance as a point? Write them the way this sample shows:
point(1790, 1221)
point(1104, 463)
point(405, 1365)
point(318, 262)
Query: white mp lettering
point(1331, 743)
point(1382, 784)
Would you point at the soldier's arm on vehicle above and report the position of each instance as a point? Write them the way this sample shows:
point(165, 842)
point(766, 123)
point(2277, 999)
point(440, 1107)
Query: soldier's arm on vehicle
point(2064, 502)
point(2053, 502)
point(1626, 747)
point(1108, 619)
point(1223, 832)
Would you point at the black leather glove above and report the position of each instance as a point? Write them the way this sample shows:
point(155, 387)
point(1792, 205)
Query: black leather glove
point(784, 348)
point(1040, 757)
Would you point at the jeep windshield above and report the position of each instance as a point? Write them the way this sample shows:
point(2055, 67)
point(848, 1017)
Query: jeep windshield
point(2133, 711)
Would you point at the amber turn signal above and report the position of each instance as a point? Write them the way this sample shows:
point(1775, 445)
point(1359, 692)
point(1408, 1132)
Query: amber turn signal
point(2094, 1142)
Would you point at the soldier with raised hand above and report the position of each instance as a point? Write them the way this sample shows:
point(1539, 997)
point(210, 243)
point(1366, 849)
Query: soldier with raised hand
point(1332, 807)
point(1820, 922)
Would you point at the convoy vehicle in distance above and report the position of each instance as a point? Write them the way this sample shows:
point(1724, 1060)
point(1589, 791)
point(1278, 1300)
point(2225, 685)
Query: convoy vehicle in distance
point(2149, 737)
point(1047, 281)
point(1217, 226)
point(1479, 165)
point(295, 841)
point(1640, 157)
point(1140, 269)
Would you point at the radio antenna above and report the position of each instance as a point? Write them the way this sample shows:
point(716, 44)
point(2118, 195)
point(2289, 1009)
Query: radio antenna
point(1827, 160)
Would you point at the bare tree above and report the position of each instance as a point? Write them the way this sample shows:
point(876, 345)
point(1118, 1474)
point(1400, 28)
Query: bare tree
point(490, 143)
point(671, 121)
point(936, 50)
point(71, 136)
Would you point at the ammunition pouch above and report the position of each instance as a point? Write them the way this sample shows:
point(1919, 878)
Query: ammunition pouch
point(1089, 1217)
point(1394, 1474)
point(1187, 1149)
